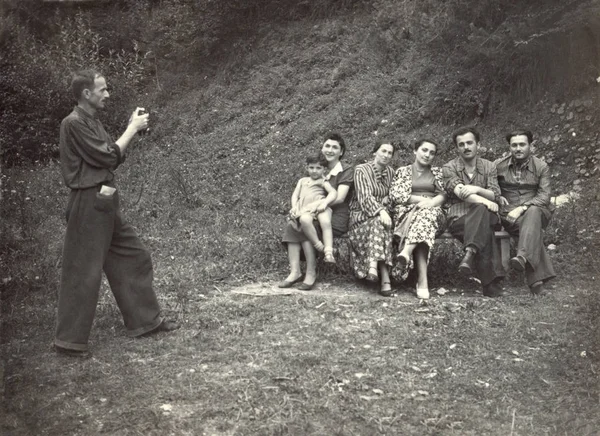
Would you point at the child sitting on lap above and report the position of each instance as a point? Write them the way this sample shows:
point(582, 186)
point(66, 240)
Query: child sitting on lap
point(310, 201)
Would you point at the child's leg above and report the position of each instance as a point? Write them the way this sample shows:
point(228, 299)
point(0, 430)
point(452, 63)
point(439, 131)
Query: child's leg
point(308, 228)
point(325, 223)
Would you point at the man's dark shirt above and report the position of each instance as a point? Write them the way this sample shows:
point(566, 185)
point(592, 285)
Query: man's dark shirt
point(527, 184)
point(88, 155)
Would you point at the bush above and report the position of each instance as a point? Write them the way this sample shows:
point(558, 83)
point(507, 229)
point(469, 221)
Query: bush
point(36, 78)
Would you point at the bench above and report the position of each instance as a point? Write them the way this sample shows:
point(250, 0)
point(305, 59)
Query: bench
point(502, 236)
point(342, 254)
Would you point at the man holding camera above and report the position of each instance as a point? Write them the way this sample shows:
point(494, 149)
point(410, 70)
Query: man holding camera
point(98, 237)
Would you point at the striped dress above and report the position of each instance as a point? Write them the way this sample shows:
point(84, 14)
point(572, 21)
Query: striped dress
point(369, 240)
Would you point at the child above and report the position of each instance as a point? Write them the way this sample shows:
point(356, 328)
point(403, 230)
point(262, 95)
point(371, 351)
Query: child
point(310, 202)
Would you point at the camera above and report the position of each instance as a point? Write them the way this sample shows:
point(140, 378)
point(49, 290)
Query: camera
point(147, 129)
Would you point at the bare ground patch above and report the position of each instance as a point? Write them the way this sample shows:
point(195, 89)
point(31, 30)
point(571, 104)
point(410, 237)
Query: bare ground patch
point(325, 362)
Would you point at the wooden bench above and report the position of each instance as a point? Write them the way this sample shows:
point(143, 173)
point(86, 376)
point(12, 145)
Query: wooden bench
point(341, 248)
point(502, 236)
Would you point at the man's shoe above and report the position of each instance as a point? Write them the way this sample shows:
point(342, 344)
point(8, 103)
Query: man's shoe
point(538, 289)
point(72, 353)
point(518, 263)
point(167, 326)
point(493, 290)
point(467, 264)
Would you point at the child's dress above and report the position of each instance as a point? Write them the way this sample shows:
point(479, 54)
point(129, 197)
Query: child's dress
point(311, 194)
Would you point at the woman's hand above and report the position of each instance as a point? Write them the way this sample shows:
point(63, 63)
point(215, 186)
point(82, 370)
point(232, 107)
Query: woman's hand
point(322, 206)
point(385, 218)
point(425, 203)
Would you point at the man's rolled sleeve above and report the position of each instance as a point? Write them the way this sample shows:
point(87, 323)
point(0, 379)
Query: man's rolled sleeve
point(93, 149)
point(451, 178)
point(492, 183)
point(544, 192)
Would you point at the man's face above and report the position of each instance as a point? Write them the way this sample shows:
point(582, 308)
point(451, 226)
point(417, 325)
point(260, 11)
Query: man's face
point(520, 148)
point(315, 170)
point(467, 146)
point(97, 96)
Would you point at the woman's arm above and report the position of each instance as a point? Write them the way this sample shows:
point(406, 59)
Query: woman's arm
point(342, 193)
point(364, 192)
point(401, 187)
point(331, 194)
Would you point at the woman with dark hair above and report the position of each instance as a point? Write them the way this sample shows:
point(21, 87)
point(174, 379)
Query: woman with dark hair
point(341, 178)
point(416, 195)
point(370, 233)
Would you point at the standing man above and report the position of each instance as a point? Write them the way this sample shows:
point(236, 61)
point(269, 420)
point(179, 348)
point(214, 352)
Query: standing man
point(473, 195)
point(525, 208)
point(98, 237)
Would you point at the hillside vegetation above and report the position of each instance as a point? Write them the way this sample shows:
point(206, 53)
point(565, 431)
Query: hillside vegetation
point(240, 92)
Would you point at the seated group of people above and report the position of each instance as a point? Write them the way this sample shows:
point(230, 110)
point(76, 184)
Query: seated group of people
point(392, 218)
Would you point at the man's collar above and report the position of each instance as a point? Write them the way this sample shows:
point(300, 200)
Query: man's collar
point(513, 162)
point(85, 113)
point(478, 164)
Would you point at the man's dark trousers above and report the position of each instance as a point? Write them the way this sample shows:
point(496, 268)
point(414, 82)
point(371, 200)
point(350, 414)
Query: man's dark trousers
point(529, 228)
point(98, 238)
point(476, 228)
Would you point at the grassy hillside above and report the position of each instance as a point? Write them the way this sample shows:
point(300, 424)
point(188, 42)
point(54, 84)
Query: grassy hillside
point(234, 114)
point(208, 189)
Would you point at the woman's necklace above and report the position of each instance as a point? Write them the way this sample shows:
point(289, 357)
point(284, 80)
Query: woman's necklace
point(420, 171)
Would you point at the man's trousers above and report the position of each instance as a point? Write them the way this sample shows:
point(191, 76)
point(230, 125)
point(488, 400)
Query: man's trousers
point(97, 239)
point(529, 227)
point(476, 228)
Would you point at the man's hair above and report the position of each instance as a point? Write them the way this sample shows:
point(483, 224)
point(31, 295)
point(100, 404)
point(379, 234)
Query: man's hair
point(420, 142)
point(336, 137)
point(463, 131)
point(520, 132)
point(317, 159)
point(380, 142)
point(83, 79)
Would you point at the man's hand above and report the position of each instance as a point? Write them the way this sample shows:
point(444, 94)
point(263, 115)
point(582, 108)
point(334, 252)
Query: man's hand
point(514, 214)
point(137, 121)
point(492, 207)
point(502, 201)
point(385, 218)
point(466, 190)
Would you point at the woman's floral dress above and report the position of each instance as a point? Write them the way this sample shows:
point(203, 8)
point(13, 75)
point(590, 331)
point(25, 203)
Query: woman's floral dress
point(411, 225)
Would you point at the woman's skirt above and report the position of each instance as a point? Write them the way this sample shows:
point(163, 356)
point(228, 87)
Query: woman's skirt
point(370, 243)
point(415, 227)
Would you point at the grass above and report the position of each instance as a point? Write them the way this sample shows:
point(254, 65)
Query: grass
point(317, 364)
point(208, 190)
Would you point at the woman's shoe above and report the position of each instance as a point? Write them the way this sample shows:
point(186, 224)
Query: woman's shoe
point(305, 286)
point(372, 275)
point(288, 284)
point(423, 293)
point(329, 256)
point(403, 261)
point(386, 289)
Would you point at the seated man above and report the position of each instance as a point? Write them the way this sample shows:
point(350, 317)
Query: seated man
point(472, 187)
point(525, 208)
